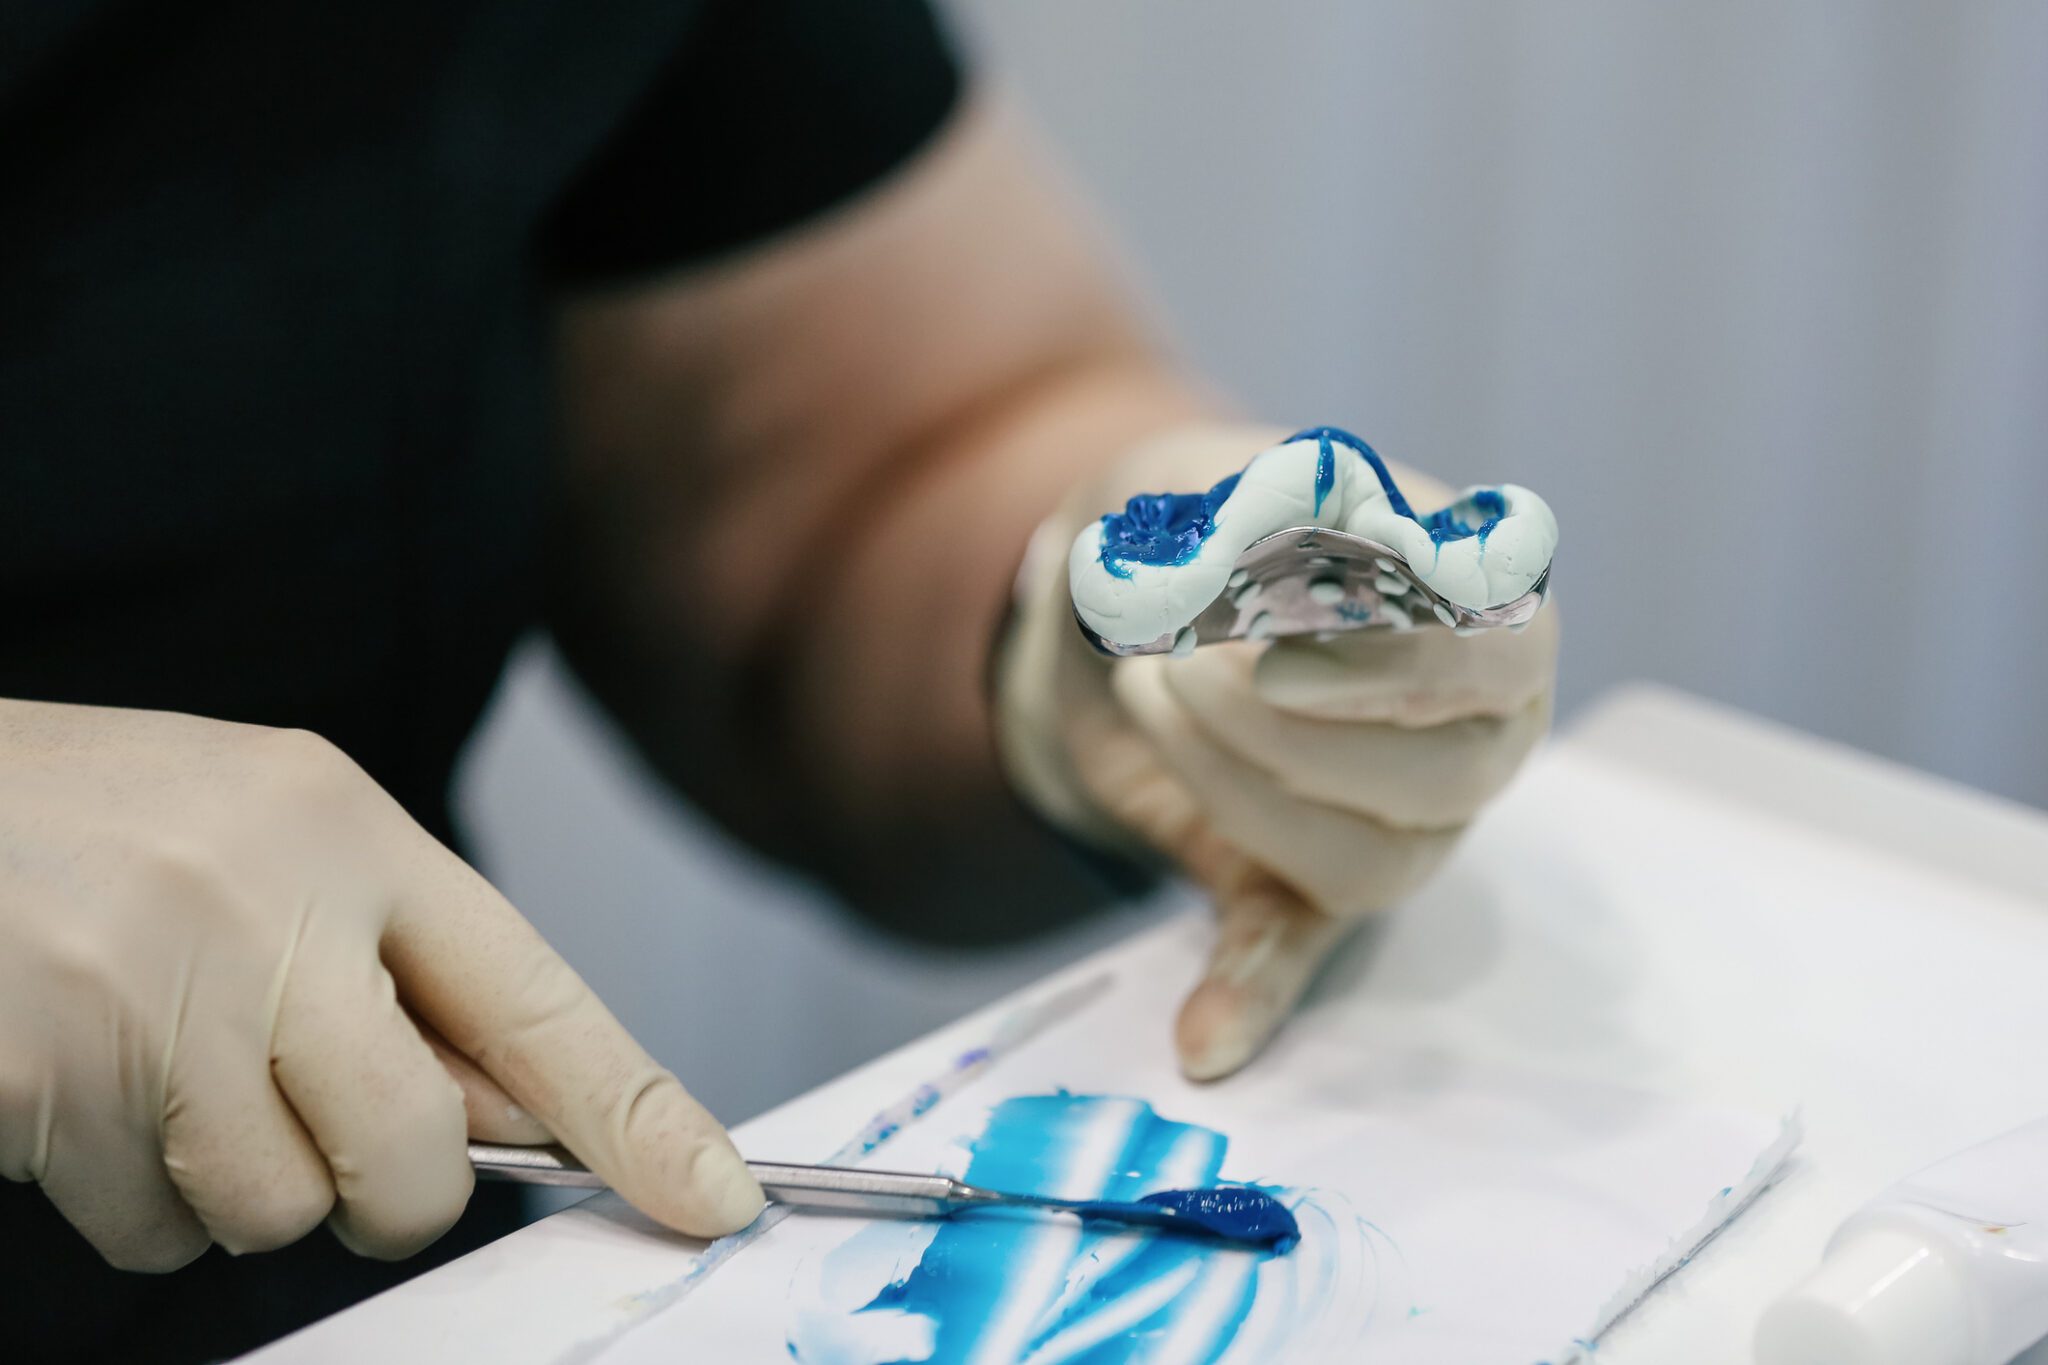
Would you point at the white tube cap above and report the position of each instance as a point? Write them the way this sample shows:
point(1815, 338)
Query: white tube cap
point(1881, 1297)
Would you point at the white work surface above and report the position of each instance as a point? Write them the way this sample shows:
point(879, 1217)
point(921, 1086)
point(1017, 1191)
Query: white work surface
point(1673, 897)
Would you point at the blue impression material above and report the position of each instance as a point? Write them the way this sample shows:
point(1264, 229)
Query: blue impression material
point(1444, 525)
point(1161, 528)
point(1448, 525)
point(1327, 439)
point(1167, 529)
point(1008, 1285)
point(1237, 1213)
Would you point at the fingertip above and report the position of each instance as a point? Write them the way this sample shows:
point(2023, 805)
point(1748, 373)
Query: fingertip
point(1220, 1028)
point(730, 1196)
point(676, 1164)
point(158, 1254)
point(708, 1194)
point(1269, 944)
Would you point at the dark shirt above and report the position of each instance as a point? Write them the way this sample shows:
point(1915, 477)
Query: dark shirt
point(274, 379)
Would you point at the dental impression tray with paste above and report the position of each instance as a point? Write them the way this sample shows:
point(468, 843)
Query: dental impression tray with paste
point(1312, 538)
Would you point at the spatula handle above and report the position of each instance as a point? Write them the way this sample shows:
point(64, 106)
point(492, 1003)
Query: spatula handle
point(815, 1187)
point(532, 1166)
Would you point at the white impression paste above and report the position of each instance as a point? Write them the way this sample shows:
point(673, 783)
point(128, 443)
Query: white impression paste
point(1154, 567)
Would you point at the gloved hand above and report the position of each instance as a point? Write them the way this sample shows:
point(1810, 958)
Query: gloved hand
point(228, 964)
point(1303, 784)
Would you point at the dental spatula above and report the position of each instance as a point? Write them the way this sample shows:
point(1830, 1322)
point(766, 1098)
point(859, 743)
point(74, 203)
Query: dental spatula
point(1231, 1213)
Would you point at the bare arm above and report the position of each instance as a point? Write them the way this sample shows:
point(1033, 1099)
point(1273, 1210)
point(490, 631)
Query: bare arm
point(798, 486)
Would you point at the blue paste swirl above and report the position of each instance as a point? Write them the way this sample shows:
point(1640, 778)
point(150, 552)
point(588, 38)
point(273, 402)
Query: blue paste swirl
point(1166, 530)
point(980, 1283)
point(1161, 528)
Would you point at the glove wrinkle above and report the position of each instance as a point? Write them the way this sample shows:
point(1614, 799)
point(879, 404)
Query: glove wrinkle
point(273, 995)
point(166, 1099)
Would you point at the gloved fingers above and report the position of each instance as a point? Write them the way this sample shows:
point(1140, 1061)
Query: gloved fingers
point(1270, 936)
point(387, 1119)
point(1125, 775)
point(1343, 863)
point(238, 1153)
point(472, 967)
point(493, 1115)
point(1052, 698)
point(1269, 944)
point(1410, 677)
point(1432, 778)
point(107, 1178)
point(1053, 705)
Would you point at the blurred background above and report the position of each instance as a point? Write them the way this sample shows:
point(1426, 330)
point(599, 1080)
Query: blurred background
point(1756, 295)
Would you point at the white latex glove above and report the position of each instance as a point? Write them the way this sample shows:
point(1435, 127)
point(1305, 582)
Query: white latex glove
point(228, 964)
point(1304, 785)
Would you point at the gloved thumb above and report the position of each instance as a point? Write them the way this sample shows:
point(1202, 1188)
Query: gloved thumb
point(1269, 944)
point(1270, 939)
point(472, 968)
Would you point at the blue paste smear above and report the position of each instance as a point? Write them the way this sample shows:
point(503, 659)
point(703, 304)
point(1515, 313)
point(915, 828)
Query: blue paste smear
point(1166, 530)
point(1444, 525)
point(1118, 1294)
point(1239, 1213)
point(1327, 439)
point(1161, 528)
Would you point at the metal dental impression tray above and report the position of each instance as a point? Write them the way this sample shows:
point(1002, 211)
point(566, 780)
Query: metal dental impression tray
point(1311, 580)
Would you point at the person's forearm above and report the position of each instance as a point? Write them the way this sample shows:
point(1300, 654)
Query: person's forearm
point(890, 699)
point(799, 486)
point(843, 722)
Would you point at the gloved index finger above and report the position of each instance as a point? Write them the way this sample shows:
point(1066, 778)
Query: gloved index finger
point(471, 966)
point(1413, 678)
point(1410, 777)
point(1269, 944)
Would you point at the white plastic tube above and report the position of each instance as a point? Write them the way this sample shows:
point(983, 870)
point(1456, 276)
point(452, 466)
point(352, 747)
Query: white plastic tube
point(1947, 1267)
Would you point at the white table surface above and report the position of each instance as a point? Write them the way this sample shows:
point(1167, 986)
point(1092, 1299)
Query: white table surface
point(1674, 896)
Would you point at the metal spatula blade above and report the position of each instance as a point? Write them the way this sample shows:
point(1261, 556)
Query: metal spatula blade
point(1233, 1214)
